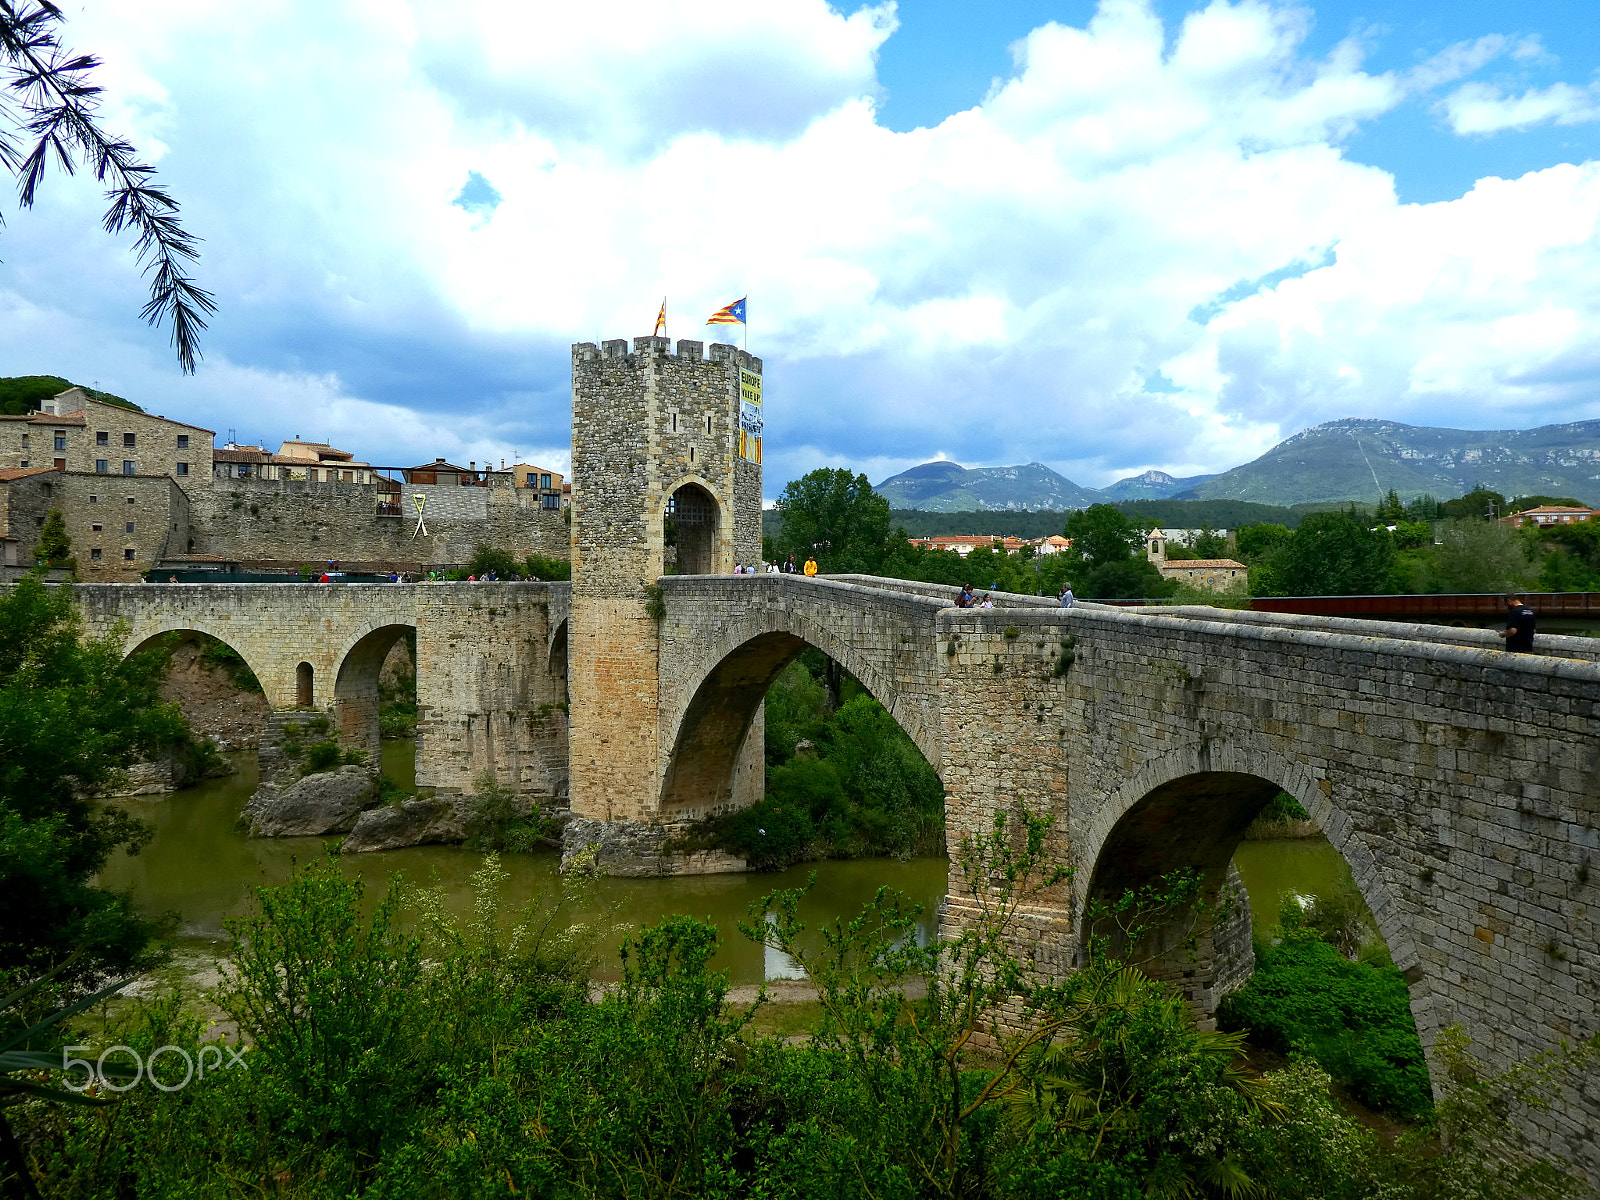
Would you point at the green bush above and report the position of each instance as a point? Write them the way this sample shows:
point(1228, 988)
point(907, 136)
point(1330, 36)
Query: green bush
point(1353, 1018)
point(328, 756)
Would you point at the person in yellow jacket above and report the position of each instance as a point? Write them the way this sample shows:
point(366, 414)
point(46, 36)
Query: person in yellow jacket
point(811, 567)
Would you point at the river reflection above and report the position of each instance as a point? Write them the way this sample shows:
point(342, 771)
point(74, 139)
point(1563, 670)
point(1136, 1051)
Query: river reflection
point(202, 867)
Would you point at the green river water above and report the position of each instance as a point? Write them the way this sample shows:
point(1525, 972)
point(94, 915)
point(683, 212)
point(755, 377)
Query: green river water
point(202, 867)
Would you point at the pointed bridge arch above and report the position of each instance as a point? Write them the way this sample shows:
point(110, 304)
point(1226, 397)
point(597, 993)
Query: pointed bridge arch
point(728, 638)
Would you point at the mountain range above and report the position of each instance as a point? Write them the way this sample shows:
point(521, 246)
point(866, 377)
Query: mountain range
point(1349, 459)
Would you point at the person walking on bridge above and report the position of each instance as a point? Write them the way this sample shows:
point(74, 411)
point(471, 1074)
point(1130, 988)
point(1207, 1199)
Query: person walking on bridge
point(1067, 598)
point(811, 567)
point(1520, 622)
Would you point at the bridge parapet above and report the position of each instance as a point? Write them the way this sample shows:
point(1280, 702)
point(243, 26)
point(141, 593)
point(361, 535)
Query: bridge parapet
point(1550, 645)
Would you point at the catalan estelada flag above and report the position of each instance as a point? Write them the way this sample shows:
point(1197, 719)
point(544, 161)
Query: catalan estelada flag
point(661, 317)
point(732, 315)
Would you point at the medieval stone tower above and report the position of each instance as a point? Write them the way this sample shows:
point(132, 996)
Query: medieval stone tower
point(666, 475)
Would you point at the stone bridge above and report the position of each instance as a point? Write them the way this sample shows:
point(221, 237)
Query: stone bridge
point(1461, 783)
point(486, 698)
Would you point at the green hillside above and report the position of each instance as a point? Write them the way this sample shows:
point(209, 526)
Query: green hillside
point(21, 393)
point(1362, 460)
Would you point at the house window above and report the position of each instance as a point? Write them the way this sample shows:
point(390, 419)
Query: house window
point(183, 468)
point(102, 438)
point(130, 499)
point(183, 441)
point(61, 439)
point(128, 467)
point(708, 422)
point(128, 554)
point(102, 467)
point(95, 554)
point(130, 526)
point(347, 476)
point(22, 462)
point(95, 527)
point(544, 481)
point(551, 501)
point(94, 499)
point(128, 439)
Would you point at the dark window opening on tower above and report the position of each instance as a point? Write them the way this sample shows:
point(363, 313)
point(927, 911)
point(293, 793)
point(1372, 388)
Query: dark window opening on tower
point(696, 520)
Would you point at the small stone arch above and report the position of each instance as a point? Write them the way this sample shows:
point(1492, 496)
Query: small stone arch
point(709, 737)
point(699, 516)
point(1188, 808)
point(355, 688)
point(556, 649)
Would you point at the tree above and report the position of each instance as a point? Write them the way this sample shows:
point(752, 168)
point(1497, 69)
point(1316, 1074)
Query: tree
point(1255, 542)
point(1210, 544)
point(1390, 509)
point(54, 545)
point(837, 517)
point(1333, 554)
point(1480, 556)
point(55, 107)
point(72, 714)
point(1480, 502)
point(1100, 535)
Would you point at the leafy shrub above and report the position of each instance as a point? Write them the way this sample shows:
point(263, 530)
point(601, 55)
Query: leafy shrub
point(1353, 1018)
point(328, 756)
point(1283, 807)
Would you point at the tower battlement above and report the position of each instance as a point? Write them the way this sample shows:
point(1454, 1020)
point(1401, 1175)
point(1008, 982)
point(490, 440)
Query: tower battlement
point(660, 347)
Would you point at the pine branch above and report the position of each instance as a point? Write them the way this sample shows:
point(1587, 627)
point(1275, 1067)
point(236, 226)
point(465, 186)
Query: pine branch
point(58, 111)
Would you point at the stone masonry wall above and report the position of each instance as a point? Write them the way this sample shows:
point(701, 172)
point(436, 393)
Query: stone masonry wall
point(644, 424)
point(295, 520)
point(1462, 786)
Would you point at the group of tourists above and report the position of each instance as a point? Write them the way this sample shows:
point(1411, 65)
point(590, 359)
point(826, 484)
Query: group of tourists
point(778, 568)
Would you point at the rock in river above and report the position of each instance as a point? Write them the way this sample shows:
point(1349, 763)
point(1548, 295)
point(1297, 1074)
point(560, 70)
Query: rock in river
point(409, 823)
point(323, 803)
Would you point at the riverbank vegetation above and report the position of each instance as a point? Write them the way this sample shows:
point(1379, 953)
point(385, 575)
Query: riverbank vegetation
point(74, 714)
point(404, 1055)
point(1325, 987)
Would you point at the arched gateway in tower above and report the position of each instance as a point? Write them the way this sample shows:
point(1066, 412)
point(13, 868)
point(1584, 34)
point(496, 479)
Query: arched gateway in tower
point(662, 481)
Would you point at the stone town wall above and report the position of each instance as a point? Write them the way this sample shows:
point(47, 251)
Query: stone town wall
point(295, 520)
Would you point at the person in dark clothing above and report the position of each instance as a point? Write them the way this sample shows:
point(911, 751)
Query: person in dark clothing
point(965, 598)
point(1520, 623)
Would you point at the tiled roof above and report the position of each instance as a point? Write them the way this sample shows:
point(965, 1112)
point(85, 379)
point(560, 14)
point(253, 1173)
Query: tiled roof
point(440, 465)
point(244, 456)
point(9, 473)
point(71, 418)
point(1205, 564)
point(1552, 508)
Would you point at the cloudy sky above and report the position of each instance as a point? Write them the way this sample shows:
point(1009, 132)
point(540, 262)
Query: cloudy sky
point(1104, 236)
